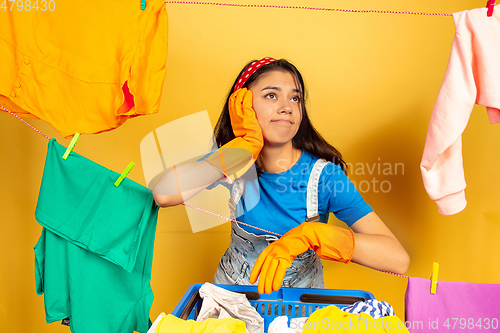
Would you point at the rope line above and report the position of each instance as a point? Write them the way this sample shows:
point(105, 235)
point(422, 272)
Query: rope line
point(33, 128)
point(266, 231)
point(306, 7)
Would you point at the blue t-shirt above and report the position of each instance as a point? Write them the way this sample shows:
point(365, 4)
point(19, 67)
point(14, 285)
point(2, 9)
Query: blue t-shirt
point(277, 201)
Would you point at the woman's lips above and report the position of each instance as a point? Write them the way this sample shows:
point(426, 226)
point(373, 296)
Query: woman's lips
point(282, 121)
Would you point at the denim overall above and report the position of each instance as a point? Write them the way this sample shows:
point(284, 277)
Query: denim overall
point(245, 247)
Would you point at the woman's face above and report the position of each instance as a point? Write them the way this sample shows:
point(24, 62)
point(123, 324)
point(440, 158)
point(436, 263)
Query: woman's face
point(276, 101)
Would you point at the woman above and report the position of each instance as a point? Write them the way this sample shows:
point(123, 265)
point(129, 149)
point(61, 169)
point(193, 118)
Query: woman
point(265, 114)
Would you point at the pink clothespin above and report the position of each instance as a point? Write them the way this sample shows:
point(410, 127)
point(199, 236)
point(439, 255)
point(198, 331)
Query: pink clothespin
point(490, 5)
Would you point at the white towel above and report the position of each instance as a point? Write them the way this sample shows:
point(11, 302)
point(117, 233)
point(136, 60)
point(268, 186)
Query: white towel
point(280, 325)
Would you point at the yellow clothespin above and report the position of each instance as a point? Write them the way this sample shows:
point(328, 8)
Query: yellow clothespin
point(71, 145)
point(434, 277)
point(124, 173)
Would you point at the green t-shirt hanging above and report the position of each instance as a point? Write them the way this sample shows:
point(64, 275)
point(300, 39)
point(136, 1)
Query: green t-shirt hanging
point(93, 260)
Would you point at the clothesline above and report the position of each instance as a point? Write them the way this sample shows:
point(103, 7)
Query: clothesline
point(306, 7)
point(33, 128)
point(187, 205)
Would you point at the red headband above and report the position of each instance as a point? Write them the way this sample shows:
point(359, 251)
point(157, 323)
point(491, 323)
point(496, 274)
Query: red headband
point(250, 70)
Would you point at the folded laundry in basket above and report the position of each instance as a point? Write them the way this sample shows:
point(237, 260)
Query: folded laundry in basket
point(332, 319)
point(169, 323)
point(222, 303)
point(455, 307)
point(372, 307)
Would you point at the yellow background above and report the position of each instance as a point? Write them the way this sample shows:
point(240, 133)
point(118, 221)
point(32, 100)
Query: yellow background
point(372, 79)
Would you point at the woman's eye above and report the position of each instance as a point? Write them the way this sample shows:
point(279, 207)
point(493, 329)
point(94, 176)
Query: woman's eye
point(295, 99)
point(271, 95)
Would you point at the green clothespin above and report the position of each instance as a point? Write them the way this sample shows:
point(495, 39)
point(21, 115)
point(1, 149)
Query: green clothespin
point(143, 4)
point(124, 173)
point(71, 145)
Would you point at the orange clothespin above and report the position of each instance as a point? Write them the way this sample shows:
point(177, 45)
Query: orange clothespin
point(434, 277)
point(490, 5)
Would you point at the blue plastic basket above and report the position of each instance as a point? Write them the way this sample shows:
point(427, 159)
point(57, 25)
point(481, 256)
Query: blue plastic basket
point(291, 302)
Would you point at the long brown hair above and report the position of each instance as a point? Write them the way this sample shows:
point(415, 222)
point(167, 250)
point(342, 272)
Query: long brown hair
point(307, 137)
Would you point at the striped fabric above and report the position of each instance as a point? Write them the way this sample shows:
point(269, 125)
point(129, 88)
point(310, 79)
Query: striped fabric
point(374, 308)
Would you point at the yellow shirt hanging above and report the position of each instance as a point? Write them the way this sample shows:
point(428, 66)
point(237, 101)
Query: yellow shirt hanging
point(84, 66)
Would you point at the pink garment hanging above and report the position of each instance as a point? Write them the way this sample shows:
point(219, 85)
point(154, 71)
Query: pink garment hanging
point(472, 77)
point(456, 307)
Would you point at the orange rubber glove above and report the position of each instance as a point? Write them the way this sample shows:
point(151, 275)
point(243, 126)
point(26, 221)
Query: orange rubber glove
point(235, 157)
point(328, 241)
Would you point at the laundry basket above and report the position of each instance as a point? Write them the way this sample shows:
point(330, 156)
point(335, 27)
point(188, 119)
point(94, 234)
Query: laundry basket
point(291, 302)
